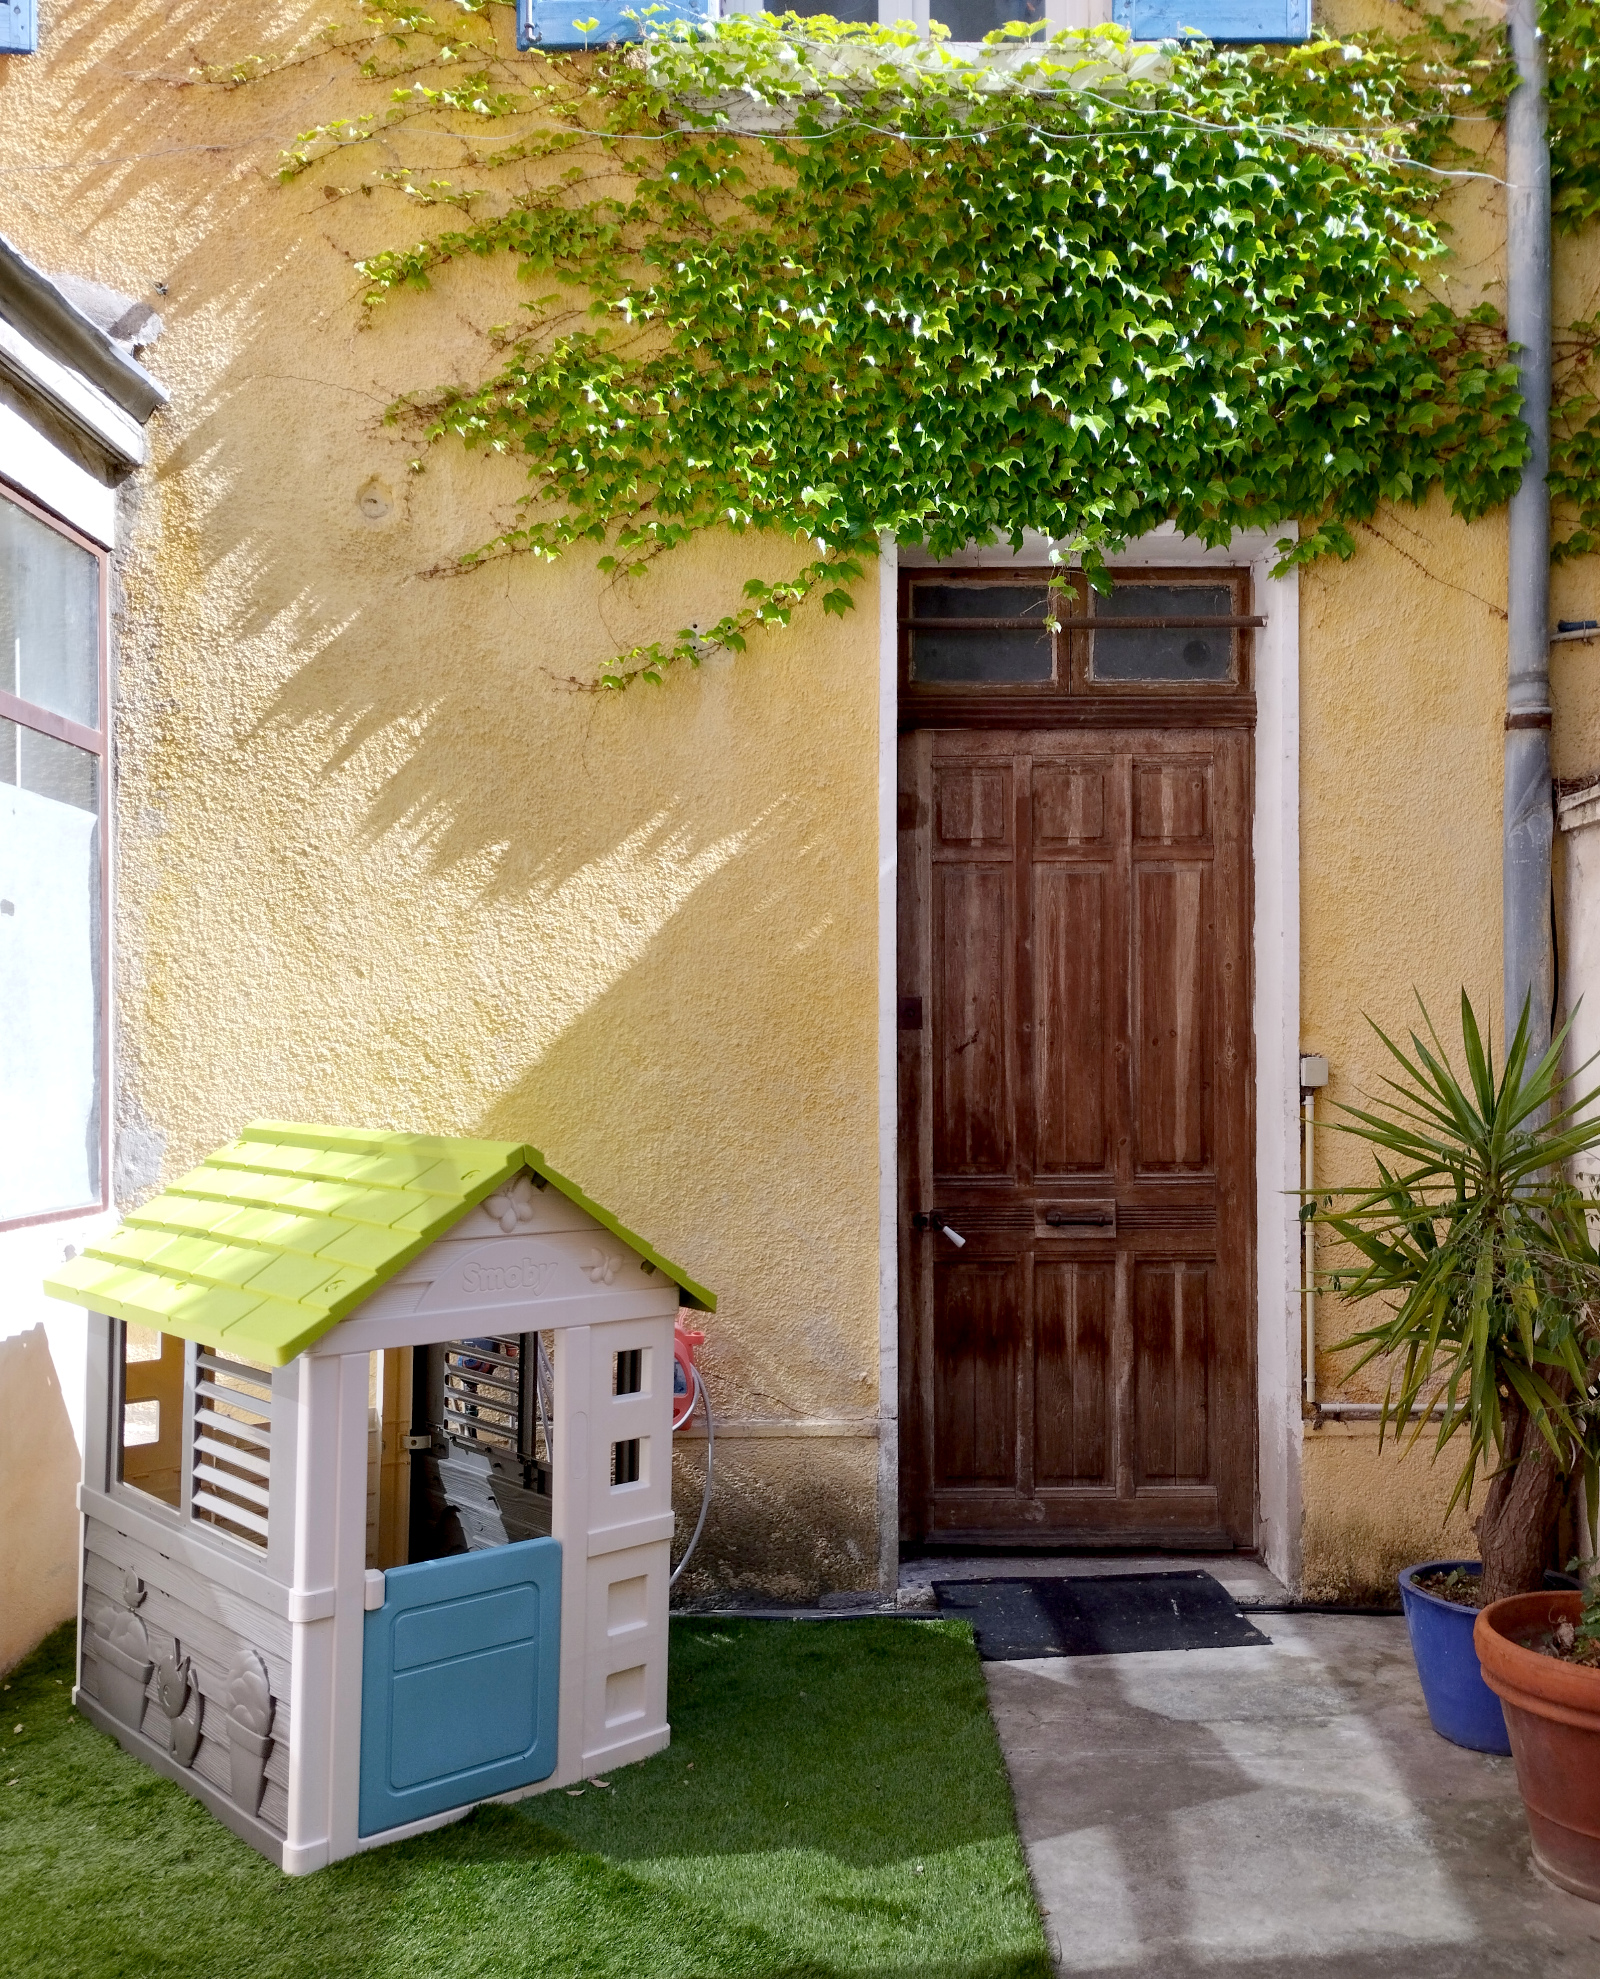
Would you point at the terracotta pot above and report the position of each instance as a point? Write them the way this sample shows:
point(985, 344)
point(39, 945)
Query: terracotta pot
point(1553, 1715)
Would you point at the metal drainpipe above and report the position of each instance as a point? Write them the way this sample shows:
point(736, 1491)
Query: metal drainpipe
point(1528, 827)
point(1313, 1077)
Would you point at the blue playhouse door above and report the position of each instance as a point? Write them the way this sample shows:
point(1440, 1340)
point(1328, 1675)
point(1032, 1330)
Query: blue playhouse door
point(459, 1678)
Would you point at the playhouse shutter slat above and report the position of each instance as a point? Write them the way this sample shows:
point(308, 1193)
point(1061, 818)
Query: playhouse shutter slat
point(502, 1394)
point(228, 1513)
point(482, 1390)
point(230, 1484)
point(232, 1446)
point(234, 1454)
point(495, 1382)
point(217, 1399)
point(235, 1370)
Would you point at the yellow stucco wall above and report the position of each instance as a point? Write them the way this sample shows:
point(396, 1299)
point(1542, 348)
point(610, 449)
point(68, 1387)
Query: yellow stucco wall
point(382, 861)
point(1403, 672)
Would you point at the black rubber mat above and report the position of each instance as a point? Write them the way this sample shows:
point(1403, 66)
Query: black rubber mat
point(1096, 1615)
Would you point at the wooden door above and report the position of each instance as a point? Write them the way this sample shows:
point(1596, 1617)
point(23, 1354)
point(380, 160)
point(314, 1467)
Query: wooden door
point(1076, 1103)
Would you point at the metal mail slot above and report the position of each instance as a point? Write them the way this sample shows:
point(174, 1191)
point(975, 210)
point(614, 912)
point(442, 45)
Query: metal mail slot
point(1075, 1219)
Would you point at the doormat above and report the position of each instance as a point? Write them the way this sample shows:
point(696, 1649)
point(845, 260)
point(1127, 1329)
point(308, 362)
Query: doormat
point(1096, 1615)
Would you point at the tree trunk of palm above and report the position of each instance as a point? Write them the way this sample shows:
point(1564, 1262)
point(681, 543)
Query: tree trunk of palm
point(1521, 1508)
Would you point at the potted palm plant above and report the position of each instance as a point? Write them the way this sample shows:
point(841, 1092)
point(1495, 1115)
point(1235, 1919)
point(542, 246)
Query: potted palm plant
point(1479, 1248)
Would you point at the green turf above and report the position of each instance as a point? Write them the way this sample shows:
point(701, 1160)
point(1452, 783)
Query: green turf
point(833, 1802)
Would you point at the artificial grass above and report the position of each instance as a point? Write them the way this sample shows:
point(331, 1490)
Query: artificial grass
point(833, 1802)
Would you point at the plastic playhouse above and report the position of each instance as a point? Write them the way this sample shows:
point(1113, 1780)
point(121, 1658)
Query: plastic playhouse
point(377, 1484)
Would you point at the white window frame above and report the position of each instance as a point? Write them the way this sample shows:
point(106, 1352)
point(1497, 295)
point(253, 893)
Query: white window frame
point(96, 742)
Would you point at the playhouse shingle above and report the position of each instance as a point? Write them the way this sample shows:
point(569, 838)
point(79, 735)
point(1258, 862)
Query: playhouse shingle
point(280, 1234)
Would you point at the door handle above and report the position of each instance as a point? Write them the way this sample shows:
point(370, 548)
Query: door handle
point(930, 1219)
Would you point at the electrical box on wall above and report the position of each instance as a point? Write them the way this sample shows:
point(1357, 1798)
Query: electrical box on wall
point(1215, 20)
point(566, 24)
point(19, 27)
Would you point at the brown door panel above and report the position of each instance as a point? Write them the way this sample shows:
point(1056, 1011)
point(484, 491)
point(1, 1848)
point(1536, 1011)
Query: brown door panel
point(977, 1344)
point(973, 1020)
point(1074, 1305)
point(1074, 986)
point(1188, 1520)
point(1075, 1091)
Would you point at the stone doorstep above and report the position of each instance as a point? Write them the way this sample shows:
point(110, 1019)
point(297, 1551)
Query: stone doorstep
point(1252, 1585)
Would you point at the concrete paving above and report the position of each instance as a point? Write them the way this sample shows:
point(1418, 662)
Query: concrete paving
point(1272, 1813)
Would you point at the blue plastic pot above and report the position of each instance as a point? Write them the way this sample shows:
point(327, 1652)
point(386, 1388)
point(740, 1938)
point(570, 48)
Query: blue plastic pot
point(1461, 1706)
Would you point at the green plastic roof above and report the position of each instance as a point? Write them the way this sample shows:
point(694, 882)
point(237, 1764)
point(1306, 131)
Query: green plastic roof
point(285, 1231)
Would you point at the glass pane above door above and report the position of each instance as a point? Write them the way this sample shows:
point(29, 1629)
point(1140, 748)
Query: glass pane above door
point(981, 633)
point(1164, 653)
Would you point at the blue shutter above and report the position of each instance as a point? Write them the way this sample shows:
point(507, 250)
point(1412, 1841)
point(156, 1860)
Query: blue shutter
point(555, 23)
point(460, 1676)
point(19, 27)
point(1217, 20)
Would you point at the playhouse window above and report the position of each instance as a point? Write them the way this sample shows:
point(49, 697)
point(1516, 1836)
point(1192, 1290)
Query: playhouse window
point(480, 1431)
point(150, 1408)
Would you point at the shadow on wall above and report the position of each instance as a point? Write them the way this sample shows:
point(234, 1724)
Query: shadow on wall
point(381, 861)
point(39, 1471)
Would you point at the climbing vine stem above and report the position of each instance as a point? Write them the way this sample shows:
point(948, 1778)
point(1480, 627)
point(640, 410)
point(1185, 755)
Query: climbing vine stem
point(788, 275)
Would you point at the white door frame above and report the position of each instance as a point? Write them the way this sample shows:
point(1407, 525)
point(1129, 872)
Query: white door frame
point(1276, 943)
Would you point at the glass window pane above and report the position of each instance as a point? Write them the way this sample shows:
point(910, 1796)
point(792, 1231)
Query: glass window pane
point(49, 617)
point(971, 20)
point(981, 601)
point(841, 10)
point(1173, 653)
point(58, 770)
point(980, 656)
point(981, 653)
point(50, 948)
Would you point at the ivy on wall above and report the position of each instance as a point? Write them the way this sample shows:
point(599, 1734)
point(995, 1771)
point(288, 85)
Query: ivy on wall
point(1572, 29)
point(1572, 37)
point(838, 282)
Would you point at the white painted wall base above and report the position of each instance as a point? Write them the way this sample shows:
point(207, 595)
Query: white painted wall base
point(43, 1348)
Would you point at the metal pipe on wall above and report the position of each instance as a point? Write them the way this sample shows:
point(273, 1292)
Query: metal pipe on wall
point(1313, 1077)
point(1528, 820)
point(1308, 1246)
